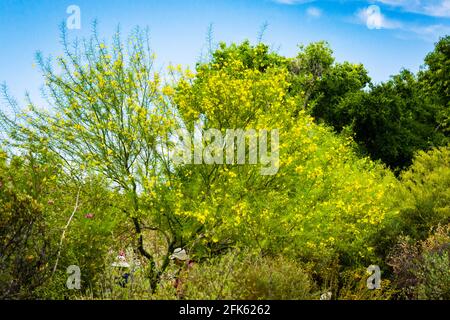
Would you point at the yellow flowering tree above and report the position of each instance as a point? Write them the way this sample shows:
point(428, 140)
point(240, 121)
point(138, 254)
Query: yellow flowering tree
point(323, 200)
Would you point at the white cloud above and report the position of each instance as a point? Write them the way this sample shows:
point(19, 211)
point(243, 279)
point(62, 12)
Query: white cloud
point(439, 10)
point(374, 19)
point(431, 32)
point(435, 8)
point(314, 12)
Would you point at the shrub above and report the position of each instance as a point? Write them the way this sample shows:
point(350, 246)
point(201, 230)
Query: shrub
point(427, 186)
point(36, 201)
point(249, 277)
point(422, 268)
point(423, 201)
point(354, 287)
point(24, 243)
point(434, 278)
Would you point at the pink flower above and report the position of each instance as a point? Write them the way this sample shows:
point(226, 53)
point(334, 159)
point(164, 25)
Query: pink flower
point(89, 216)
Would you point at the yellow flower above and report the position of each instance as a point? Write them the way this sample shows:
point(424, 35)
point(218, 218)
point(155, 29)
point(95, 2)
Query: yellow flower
point(299, 169)
point(168, 90)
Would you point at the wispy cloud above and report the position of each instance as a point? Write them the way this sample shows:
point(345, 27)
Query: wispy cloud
point(431, 32)
point(314, 12)
point(435, 8)
point(373, 18)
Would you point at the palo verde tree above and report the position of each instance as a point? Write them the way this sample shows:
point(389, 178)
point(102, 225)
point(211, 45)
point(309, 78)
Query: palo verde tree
point(322, 197)
point(107, 114)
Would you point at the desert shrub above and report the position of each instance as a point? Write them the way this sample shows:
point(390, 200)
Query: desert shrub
point(36, 201)
point(434, 277)
point(434, 274)
point(427, 184)
point(24, 242)
point(423, 201)
point(422, 268)
point(89, 240)
point(24, 246)
point(249, 277)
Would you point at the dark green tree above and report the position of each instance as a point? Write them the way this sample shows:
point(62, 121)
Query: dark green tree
point(435, 79)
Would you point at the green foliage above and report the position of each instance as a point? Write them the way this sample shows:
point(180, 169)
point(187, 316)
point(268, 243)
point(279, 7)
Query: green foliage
point(257, 57)
point(341, 81)
point(435, 277)
point(427, 184)
point(38, 192)
point(95, 235)
point(24, 242)
point(436, 79)
point(308, 69)
point(422, 199)
point(354, 287)
point(246, 276)
point(391, 121)
point(323, 199)
point(321, 83)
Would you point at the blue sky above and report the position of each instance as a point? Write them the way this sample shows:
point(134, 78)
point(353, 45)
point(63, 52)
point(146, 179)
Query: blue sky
point(384, 35)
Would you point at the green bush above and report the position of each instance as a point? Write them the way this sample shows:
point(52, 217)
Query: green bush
point(249, 277)
point(353, 286)
point(434, 278)
point(24, 243)
point(36, 201)
point(423, 201)
point(427, 186)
